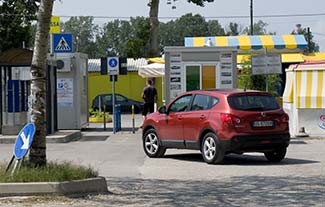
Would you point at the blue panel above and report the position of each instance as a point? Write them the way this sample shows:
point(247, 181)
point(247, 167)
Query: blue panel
point(10, 101)
point(301, 41)
point(233, 42)
point(189, 41)
point(278, 42)
point(256, 42)
point(16, 95)
point(23, 95)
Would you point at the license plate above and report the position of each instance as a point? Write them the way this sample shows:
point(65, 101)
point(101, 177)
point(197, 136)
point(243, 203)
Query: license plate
point(263, 123)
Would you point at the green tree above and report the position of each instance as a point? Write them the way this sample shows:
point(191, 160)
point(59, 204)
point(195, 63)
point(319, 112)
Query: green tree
point(16, 17)
point(125, 38)
point(312, 45)
point(259, 28)
point(84, 31)
point(188, 25)
point(154, 24)
point(37, 153)
point(233, 29)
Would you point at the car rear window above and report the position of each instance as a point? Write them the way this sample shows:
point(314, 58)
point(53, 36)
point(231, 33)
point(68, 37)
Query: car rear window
point(253, 102)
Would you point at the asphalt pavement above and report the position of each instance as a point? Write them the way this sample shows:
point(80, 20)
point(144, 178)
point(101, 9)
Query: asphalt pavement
point(182, 178)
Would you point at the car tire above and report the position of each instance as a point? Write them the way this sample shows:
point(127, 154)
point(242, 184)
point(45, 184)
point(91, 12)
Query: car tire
point(211, 149)
point(152, 145)
point(276, 155)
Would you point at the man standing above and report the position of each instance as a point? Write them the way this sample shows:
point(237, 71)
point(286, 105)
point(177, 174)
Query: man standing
point(149, 96)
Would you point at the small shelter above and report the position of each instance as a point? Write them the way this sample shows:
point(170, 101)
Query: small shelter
point(304, 98)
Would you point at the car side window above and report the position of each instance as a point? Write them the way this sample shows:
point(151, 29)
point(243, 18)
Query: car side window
point(120, 98)
point(200, 102)
point(203, 102)
point(180, 104)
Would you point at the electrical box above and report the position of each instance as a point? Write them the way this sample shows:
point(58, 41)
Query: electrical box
point(72, 90)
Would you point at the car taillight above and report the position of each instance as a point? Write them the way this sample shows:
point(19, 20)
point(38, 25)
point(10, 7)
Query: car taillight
point(229, 120)
point(285, 118)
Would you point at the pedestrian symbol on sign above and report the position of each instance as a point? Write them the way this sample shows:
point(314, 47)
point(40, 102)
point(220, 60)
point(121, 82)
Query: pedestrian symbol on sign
point(62, 45)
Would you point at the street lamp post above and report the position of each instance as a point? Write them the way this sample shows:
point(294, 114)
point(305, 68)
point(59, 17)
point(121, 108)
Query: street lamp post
point(251, 17)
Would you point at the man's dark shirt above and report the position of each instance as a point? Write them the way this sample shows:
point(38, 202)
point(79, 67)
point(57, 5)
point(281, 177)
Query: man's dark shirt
point(149, 94)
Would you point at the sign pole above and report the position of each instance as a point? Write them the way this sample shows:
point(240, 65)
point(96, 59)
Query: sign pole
point(10, 163)
point(113, 104)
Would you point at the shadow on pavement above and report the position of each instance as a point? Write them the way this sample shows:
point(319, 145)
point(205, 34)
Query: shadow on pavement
point(233, 159)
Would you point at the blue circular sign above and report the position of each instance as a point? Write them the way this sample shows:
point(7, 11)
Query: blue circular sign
point(112, 62)
point(24, 140)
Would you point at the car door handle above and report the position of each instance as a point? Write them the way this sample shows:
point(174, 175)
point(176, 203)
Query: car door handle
point(179, 117)
point(203, 117)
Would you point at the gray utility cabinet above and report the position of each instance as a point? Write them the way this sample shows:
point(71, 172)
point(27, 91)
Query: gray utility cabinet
point(72, 90)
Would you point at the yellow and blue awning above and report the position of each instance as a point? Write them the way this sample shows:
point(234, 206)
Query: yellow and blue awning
point(254, 42)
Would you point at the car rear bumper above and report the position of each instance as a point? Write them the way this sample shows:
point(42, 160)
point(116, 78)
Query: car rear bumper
point(256, 143)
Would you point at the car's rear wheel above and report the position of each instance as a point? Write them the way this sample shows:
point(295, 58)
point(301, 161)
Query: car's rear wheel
point(152, 145)
point(276, 155)
point(211, 149)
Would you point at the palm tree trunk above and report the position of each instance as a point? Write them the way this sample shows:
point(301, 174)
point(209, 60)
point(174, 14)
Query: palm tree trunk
point(154, 29)
point(37, 154)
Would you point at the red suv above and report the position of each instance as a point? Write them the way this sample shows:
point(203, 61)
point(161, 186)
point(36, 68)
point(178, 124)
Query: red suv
point(217, 122)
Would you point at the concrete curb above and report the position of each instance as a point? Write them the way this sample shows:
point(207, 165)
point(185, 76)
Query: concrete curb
point(63, 136)
point(91, 185)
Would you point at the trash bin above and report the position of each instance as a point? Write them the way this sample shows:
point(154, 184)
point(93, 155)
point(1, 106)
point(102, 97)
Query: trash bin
point(117, 118)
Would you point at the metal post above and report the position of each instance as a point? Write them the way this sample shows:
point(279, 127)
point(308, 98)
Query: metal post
point(104, 117)
point(252, 27)
point(133, 131)
point(267, 83)
point(113, 103)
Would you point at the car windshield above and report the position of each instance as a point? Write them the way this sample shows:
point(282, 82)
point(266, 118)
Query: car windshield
point(253, 102)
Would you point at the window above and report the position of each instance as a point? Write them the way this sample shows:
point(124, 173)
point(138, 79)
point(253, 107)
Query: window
point(192, 78)
point(253, 102)
point(120, 98)
point(203, 102)
point(180, 104)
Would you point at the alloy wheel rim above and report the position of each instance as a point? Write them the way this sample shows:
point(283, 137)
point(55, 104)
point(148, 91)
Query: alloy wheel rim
point(209, 148)
point(151, 143)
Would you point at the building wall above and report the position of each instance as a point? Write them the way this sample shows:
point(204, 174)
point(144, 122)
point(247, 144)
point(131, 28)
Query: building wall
point(130, 85)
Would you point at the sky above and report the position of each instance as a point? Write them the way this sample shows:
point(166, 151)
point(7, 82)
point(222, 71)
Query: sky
point(311, 13)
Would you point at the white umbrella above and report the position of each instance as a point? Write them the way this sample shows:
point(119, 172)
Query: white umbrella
point(152, 70)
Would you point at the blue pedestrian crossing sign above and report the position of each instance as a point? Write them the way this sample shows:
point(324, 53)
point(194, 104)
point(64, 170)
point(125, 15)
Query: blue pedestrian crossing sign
point(24, 140)
point(62, 43)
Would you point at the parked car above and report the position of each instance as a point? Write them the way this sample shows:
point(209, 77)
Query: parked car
point(124, 102)
point(218, 122)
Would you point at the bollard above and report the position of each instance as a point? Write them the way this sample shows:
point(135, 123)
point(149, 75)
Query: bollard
point(133, 131)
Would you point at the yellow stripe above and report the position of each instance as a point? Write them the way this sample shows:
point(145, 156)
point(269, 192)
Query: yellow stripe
point(222, 41)
point(198, 41)
point(267, 41)
point(244, 42)
point(289, 41)
point(309, 86)
point(298, 87)
point(320, 75)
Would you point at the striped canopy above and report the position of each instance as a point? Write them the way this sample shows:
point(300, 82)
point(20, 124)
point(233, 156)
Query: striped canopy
point(308, 80)
point(254, 42)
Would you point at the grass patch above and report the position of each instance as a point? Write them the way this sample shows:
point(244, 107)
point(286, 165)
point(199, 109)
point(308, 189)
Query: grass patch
point(52, 172)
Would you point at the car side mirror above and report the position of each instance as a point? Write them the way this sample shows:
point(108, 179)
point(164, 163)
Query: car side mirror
point(163, 110)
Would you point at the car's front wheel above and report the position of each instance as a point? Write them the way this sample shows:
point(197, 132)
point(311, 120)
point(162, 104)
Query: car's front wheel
point(276, 155)
point(211, 149)
point(152, 145)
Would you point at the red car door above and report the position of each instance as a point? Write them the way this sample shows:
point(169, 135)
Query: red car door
point(171, 126)
point(196, 118)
